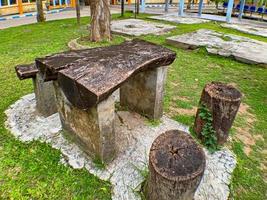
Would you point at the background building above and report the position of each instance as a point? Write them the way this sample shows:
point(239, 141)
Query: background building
point(8, 7)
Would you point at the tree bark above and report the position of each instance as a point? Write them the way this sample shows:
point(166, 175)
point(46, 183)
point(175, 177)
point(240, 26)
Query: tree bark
point(40, 11)
point(188, 6)
point(100, 20)
point(138, 7)
point(223, 102)
point(78, 12)
point(176, 167)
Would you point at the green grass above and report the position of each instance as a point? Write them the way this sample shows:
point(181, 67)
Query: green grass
point(116, 39)
point(185, 119)
point(32, 171)
point(153, 122)
point(183, 104)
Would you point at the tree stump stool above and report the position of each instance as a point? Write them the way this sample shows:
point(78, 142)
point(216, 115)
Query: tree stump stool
point(222, 101)
point(176, 167)
point(84, 81)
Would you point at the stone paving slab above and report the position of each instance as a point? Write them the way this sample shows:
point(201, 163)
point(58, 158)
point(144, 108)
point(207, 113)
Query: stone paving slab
point(248, 28)
point(179, 20)
point(241, 48)
point(138, 27)
point(134, 138)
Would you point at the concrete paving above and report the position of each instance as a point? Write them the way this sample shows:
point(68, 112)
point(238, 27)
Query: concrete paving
point(248, 28)
point(179, 20)
point(241, 48)
point(138, 27)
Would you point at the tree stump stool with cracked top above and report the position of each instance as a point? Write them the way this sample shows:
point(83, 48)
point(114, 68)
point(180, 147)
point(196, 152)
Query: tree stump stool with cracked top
point(176, 167)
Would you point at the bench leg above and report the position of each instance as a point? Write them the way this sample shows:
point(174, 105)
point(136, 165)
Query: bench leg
point(45, 96)
point(92, 129)
point(143, 93)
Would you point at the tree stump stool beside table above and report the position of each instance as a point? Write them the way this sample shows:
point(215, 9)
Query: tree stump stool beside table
point(84, 81)
point(176, 167)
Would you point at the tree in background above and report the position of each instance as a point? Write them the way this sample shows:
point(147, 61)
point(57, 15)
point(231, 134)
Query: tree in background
point(189, 3)
point(217, 2)
point(100, 20)
point(40, 11)
point(78, 11)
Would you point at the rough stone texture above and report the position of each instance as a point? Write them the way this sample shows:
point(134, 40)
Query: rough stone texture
point(241, 48)
point(176, 167)
point(138, 27)
point(248, 28)
point(179, 20)
point(91, 129)
point(143, 93)
point(45, 96)
point(133, 144)
point(89, 76)
point(74, 45)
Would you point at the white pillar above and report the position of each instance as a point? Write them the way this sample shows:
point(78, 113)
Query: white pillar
point(143, 6)
point(229, 10)
point(181, 8)
point(200, 7)
point(241, 11)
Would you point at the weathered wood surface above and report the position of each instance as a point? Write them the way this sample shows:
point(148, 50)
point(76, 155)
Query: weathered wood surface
point(26, 71)
point(89, 76)
point(176, 167)
point(50, 65)
point(223, 102)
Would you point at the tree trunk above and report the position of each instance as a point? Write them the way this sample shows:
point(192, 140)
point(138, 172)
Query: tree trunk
point(100, 20)
point(176, 167)
point(188, 6)
point(78, 12)
point(223, 102)
point(40, 11)
point(138, 7)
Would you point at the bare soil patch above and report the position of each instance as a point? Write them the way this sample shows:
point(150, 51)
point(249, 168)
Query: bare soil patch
point(244, 133)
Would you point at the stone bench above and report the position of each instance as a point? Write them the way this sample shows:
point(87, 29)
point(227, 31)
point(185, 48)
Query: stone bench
point(84, 81)
point(44, 91)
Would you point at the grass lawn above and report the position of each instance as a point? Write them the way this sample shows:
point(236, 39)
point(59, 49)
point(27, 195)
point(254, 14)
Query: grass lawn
point(32, 171)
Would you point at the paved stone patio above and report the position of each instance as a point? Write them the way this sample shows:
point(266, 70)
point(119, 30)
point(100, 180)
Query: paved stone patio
point(138, 27)
point(248, 28)
point(179, 20)
point(241, 48)
point(133, 139)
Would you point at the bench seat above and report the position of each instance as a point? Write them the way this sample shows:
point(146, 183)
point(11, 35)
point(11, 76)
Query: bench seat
point(26, 71)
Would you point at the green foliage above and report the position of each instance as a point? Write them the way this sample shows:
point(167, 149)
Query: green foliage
point(208, 134)
point(99, 163)
point(140, 189)
point(115, 40)
point(183, 104)
point(153, 122)
point(226, 38)
point(262, 3)
point(185, 119)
